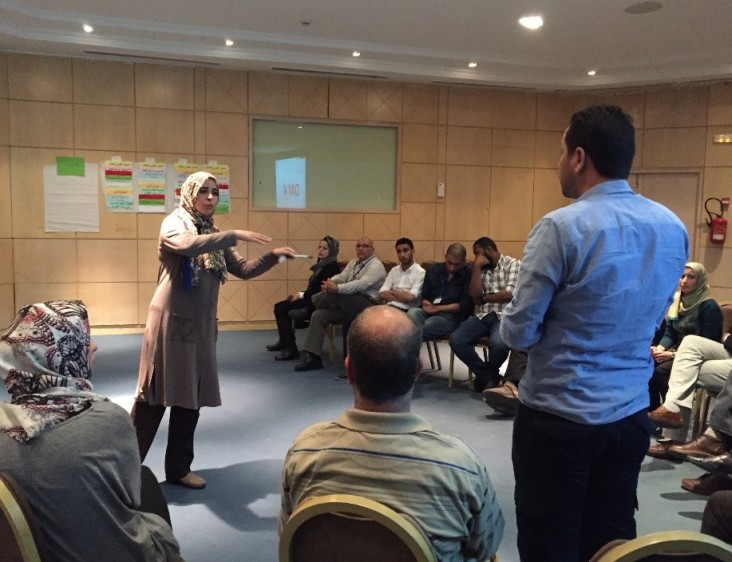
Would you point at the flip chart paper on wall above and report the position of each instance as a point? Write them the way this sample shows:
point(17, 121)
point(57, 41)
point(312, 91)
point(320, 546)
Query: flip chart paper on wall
point(152, 187)
point(290, 183)
point(71, 203)
point(119, 193)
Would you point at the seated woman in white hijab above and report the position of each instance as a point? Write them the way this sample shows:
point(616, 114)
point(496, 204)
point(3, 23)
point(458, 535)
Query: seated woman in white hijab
point(73, 453)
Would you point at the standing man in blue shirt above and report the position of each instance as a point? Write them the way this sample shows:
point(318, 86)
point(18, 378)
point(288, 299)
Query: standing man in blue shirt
point(596, 279)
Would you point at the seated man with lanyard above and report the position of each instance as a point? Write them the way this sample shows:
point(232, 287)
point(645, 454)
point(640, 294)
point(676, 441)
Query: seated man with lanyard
point(342, 298)
point(445, 299)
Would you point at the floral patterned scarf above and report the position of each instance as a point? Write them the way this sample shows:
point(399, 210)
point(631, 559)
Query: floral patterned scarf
point(213, 261)
point(44, 364)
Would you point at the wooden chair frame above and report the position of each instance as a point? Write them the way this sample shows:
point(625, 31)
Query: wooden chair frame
point(666, 542)
point(360, 507)
point(15, 514)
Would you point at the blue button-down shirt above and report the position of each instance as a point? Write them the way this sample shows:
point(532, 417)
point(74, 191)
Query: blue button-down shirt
point(596, 279)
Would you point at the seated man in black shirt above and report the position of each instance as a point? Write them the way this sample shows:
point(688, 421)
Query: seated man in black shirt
point(445, 298)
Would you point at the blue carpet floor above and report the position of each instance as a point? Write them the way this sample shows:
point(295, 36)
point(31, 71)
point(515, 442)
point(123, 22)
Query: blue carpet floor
point(240, 446)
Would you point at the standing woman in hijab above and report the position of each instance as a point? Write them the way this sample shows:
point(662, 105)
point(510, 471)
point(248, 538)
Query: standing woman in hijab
point(178, 357)
point(325, 268)
point(73, 452)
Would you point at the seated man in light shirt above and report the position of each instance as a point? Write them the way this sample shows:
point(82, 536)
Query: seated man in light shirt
point(341, 299)
point(381, 450)
point(403, 285)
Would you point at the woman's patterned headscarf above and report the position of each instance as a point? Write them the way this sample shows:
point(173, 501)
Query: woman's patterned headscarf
point(44, 363)
point(213, 261)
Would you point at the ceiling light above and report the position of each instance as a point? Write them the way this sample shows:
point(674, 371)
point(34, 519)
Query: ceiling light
point(229, 43)
point(88, 28)
point(472, 64)
point(531, 22)
point(722, 138)
point(591, 72)
point(356, 53)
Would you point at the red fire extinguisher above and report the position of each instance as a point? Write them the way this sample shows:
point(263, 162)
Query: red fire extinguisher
point(716, 222)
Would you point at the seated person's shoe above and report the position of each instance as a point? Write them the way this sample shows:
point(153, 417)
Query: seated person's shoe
point(275, 346)
point(707, 484)
point(309, 362)
point(343, 376)
point(666, 418)
point(660, 450)
point(721, 463)
point(702, 447)
point(287, 355)
point(190, 480)
point(503, 399)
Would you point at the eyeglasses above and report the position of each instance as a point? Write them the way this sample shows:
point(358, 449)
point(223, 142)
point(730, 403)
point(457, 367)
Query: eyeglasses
point(363, 245)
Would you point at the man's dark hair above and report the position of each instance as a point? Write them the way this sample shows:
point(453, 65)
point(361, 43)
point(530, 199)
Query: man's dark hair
point(607, 135)
point(406, 241)
point(458, 250)
point(384, 362)
point(485, 243)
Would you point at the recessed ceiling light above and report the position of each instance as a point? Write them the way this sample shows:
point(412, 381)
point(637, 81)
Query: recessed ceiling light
point(472, 64)
point(229, 43)
point(356, 53)
point(531, 22)
point(643, 7)
point(88, 28)
point(591, 72)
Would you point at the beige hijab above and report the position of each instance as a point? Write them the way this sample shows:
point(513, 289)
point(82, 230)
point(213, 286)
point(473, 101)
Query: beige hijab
point(212, 261)
point(684, 304)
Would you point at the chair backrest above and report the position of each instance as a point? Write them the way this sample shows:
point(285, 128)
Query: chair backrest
point(350, 528)
point(20, 535)
point(670, 546)
point(726, 316)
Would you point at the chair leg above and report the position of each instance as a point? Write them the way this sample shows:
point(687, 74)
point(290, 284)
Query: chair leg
point(437, 355)
point(329, 330)
point(431, 356)
point(704, 412)
point(452, 367)
point(695, 417)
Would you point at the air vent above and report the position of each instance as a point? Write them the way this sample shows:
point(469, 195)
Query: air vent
point(326, 73)
point(481, 85)
point(145, 58)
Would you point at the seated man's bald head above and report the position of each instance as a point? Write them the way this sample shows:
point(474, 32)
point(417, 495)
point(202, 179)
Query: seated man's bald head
point(383, 352)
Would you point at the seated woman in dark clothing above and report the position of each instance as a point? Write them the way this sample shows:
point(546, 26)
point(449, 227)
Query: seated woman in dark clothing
point(325, 268)
point(74, 453)
point(693, 311)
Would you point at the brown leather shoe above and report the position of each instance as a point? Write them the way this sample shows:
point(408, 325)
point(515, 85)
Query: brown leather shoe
point(503, 399)
point(190, 480)
point(701, 447)
point(660, 450)
point(707, 484)
point(666, 418)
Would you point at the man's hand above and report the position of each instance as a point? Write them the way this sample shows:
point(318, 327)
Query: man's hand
point(329, 286)
point(428, 307)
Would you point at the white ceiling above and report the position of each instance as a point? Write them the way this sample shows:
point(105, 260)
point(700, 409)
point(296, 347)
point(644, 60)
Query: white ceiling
point(407, 40)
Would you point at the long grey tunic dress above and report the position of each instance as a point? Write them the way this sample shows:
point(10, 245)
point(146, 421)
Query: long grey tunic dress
point(178, 358)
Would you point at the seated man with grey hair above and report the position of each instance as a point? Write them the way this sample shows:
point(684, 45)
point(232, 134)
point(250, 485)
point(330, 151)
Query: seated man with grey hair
point(380, 450)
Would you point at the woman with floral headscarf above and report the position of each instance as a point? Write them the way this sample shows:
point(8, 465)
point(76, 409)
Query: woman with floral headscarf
point(73, 452)
point(178, 358)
